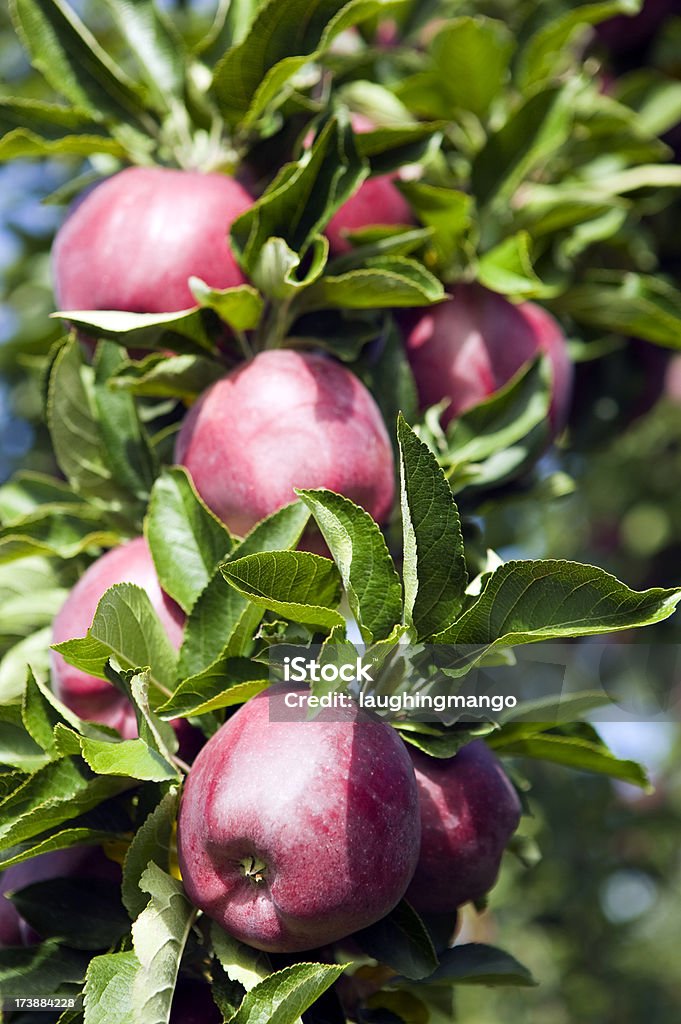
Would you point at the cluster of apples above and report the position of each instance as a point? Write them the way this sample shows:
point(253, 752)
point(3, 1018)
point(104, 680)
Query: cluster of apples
point(295, 834)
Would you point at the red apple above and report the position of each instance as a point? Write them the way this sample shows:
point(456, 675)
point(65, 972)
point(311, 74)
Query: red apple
point(133, 242)
point(80, 861)
point(295, 833)
point(94, 699)
point(469, 347)
point(282, 420)
point(376, 201)
point(469, 811)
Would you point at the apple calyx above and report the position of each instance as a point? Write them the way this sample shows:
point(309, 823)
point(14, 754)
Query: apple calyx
point(254, 869)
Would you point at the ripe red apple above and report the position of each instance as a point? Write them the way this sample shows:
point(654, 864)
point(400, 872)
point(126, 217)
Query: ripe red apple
point(376, 201)
point(469, 347)
point(94, 699)
point(295, 833)
point(469, 811)
point(134, 240)
point(282, 420)
point(80, 861)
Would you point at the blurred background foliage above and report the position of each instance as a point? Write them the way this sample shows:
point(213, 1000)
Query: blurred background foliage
point(597, 919)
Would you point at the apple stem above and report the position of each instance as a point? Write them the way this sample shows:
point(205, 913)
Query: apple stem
point(253, 868)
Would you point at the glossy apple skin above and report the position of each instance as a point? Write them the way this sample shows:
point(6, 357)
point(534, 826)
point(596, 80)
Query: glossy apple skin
point(376, 201)
point(80, 861)
point(469, 811)
point(94, 699)
point(282, 420)
point(135, 239)
point(329, 810)
point(469, 347)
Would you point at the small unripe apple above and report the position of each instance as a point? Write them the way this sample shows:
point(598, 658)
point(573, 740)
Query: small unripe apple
point(282, 420)
point(133, 242)
point(77, 861)
point(376, 201)
point(94, 699)
point(469, 347)
point(469, 811)
point(295, 833)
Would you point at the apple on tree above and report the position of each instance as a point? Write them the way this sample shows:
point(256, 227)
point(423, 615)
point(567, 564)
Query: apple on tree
point(94, 699)
point(294, 833)
point(467, 348)
point(376, 201)
point(469, 811)
point(133, 242)
point(286, 419)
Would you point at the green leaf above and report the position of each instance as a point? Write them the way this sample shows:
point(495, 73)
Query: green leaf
point(69, 57)
point(655, 98)
point(50, 120)
point(84, 913)
point(151, 844)
point(574, 752)
point(282, 997)
point(57, 534)
point(277, 271)
point(133, 759)
point(438, 741)
point(471, 58)
point(41, 712)
point(128, 451)
point(187, 541)
point(393, 282)
point(222, 621)
point(161, 376)
point(508, 269)
point(61, 840)
point(401, 941)
point(159, 936)
point(302, 197)
point(299, 585)
point(126, 627)
point(188, 331)
point(108, 989)
point(434, 571)
point(72, 419)
point(635, 305)
point(361, 554)
point(530, 136)
point(546, 54)
point(157, 49)
point(33, 650)
point(448, 212)
point(52, 795)
point(240, 307)
point(226, 682)
point(18, 749)
point(284, 36)
point(526, 601)
point(242, 963)
point(21, 143)
point(476, 964)
point(40, 970)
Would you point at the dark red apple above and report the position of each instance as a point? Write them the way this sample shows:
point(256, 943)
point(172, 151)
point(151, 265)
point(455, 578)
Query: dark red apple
point(295, 833)
point(469, 811)
point(134, 240)
point(469, 347)
point(78, 861)
point(376, 201)
point(282, 420)
point(94, 699)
